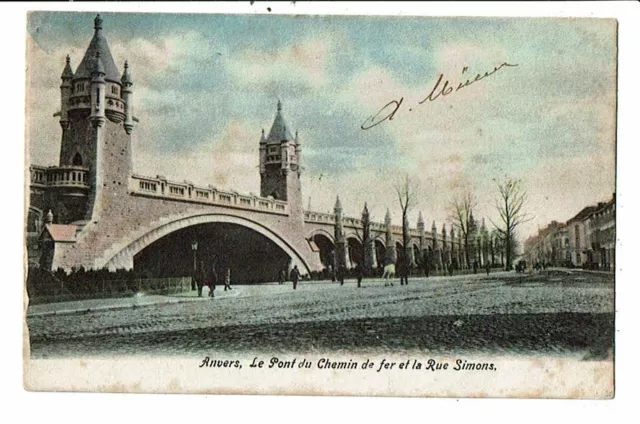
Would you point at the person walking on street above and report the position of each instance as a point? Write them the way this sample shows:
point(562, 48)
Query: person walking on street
point(227, 280)
point(488, 268)
point(213, 280)
point(359, 274)
point(342, 270)
point(403, 271)
point(295, 275)
point(282, 277)
point(201, 278)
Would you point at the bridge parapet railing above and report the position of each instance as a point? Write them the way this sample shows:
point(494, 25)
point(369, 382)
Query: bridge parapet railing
point(186, 191)
point(60, 176)
point(321, 217)
point(349, 222)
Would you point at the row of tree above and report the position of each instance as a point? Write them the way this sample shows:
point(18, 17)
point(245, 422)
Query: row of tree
point(509, 203)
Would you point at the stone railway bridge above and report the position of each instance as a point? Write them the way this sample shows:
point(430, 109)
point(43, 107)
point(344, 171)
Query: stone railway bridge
point(92, 211)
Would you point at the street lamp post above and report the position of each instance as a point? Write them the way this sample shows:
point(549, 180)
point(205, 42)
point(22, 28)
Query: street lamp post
point(194, 247)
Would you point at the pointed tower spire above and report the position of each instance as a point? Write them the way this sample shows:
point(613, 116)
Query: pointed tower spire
point(97, 23)
point(65, 93)
point(279, 131)
point(387, 218)
point(49, 218)
point(98, 44)
point(365, 211)
point(67, 73)
point(126, 75)
point(420, 218)
point(338, 205)
point(127, 96)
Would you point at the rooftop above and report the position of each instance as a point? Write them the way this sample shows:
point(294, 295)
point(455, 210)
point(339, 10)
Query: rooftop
point(98, 47)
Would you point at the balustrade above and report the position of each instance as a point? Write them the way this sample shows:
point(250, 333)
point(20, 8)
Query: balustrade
point(160, 187)
point(60, 176)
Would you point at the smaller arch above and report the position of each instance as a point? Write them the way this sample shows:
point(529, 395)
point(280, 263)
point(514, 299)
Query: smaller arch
point(322, 232)
point(355, 251)
point(353, 236)
point(380, 251)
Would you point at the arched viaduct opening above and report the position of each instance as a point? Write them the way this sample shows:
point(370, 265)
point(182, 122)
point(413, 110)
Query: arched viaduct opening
point(355, 251)
point(251, 256)
point(327, 249)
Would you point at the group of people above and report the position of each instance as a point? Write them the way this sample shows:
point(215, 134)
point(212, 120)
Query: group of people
point(206, 276)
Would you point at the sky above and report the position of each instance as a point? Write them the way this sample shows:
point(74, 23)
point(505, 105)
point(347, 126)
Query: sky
point(206, 85)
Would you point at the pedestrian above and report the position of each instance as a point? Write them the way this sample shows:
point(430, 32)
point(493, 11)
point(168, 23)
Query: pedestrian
point(213, 280)
point(342, 270)
point(359, 274)
point(227, 280)
point(295, 275)
point(282, 277)
point(403, 270)
point(488, 268)
point(201, 277)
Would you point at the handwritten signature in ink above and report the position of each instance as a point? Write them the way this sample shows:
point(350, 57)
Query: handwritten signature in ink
point(439, 90)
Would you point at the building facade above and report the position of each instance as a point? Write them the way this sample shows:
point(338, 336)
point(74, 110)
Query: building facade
point(587, 240)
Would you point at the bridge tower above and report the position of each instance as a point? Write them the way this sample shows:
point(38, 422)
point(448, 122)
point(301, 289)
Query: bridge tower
point(96, 117)
point(280, 165)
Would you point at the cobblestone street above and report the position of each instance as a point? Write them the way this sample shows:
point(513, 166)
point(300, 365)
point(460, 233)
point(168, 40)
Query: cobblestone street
point(556, 313)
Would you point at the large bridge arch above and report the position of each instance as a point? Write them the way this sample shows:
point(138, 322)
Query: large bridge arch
point(121, 256)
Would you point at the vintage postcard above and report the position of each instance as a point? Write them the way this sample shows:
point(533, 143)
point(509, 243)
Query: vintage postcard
point(320, 205)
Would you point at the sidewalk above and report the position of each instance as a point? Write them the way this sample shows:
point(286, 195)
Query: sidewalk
point(90, 305)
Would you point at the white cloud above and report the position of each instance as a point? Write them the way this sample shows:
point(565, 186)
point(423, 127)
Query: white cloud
point(227, 162)
point(304, 63)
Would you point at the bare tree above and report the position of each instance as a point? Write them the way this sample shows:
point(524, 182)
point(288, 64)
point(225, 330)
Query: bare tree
point(461, 214)
point(510, 206)
point(407, 191)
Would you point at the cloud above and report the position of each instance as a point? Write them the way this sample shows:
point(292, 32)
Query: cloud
point(303, 65)
point(228, 161)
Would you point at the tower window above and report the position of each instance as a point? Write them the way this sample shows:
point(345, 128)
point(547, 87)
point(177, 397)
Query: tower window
point(77, 160)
